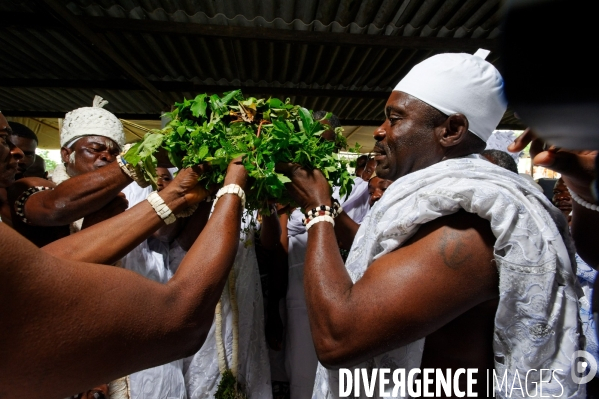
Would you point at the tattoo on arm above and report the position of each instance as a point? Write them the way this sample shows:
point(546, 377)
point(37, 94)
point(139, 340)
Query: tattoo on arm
point(453, 249)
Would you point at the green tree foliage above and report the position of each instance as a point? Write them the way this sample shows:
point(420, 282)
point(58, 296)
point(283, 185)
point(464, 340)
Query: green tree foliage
point(50, 163)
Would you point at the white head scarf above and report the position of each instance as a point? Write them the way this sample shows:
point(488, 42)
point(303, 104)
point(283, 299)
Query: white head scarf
point(460, 83)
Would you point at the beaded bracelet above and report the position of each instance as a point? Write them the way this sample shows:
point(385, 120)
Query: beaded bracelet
point(582, 202)
point(20, 202)
point(162, 209)
point(317, 219)
point(337, 206)
point(323, 210)
point(130, 171)
point(230, 189)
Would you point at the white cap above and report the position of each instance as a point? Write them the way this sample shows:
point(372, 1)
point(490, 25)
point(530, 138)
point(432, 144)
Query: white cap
point(460, 83)
point(91, 121)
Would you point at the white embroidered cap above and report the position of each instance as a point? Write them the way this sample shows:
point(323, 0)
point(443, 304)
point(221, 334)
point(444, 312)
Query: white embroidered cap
point(460, 83)
point(91, 121)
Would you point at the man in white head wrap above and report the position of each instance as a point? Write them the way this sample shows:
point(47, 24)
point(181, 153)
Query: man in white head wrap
point(461, 265)
point(87, 184)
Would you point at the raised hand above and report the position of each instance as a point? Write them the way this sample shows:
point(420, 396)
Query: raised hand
point(576, 167)
point(309, 188)
point(185, 186)
point(236, 173)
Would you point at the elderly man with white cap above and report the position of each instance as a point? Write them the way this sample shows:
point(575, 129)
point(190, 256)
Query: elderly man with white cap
point(86, 185)
point(461, 265)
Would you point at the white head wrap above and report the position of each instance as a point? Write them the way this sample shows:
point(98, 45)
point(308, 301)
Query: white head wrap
point(91, 121)
point(460, 83)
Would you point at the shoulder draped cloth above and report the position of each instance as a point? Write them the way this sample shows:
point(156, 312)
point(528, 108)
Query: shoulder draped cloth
point(537, 325)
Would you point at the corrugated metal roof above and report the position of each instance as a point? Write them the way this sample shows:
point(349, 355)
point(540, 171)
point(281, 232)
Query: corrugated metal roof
point(53, 67)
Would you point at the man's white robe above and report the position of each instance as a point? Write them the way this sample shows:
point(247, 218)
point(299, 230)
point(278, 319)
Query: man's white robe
point(536, 324)
point(157, 261)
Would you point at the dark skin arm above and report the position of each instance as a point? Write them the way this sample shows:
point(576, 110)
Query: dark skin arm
point(445, 269)
point(345, 231)
point(85, 324)
point(4, 207)
point(272, 240)
point(578, 171)
point(115, 207)
point(194, 225)
point(74, 198)
point(169, 232)
point(110, 240)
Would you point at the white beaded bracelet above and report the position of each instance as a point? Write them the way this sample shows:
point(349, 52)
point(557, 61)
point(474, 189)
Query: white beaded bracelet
point(322, 218)
point(582, 202)
point(230, 189)
point(162, 209)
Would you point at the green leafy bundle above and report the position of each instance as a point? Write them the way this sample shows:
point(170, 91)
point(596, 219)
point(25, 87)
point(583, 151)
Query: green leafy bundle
point(265, 132)
point(229, 388)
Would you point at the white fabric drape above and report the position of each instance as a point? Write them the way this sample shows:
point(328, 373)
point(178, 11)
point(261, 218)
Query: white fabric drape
point(157, 261)
point(536, 324)
point(201, 370)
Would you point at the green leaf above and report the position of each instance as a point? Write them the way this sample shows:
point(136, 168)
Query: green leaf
point(283, 179)
point(203, 152)
point(198, 108)
point(306, 119)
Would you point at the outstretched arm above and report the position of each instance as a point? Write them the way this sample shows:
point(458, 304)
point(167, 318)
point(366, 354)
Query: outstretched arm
point(446, 268)
point(72, 199)
point(110, 240)
point(67, 326)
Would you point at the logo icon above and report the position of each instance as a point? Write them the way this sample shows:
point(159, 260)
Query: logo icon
point(583, 363)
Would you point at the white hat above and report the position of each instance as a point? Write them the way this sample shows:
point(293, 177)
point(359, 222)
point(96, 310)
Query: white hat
point(460, 83)
point(91, 121)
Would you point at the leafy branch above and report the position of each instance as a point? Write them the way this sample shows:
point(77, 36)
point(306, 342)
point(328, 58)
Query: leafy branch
point(215, 130)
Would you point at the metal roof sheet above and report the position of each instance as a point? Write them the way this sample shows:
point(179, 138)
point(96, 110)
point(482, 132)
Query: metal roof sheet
point(344, 56)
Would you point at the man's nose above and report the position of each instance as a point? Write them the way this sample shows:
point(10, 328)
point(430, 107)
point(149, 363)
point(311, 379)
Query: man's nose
point(108, 156)
point(16, 152)
point(379, 133)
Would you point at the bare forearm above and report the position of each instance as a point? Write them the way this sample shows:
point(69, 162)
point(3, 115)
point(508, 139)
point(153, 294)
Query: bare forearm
point(327, 286)
point(76, 197)
point(110, 240)
point(194, 226)
point(204, 270)
point(345, 230)
point(270, 232)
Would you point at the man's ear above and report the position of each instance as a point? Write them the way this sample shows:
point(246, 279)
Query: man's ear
point(64, 154)
point(454, 130)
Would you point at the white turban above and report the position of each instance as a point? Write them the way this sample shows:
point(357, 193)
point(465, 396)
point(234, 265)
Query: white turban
point(91, 121)
point(460, 83)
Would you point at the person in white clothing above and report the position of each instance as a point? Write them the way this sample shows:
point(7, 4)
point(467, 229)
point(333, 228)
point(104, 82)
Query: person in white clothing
point(158, 258)
point(460, 264)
